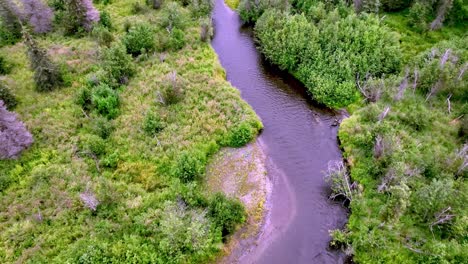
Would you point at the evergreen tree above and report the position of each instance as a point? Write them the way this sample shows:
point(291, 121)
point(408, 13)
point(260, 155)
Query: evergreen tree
point(47, 75)
point(10, 27)
point(81, 14)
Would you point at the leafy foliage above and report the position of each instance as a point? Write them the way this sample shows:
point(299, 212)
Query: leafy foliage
point(5, 67)
point(106, 101)
point(80, 16)
point(226, 213)
point(152, 124)
point(415, 187)
point(117, 65)
point(9, 100)
point(328, 56)
point(139, 39)
point(191, 166)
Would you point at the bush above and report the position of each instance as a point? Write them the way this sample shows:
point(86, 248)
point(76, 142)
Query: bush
point(10, 28)
point(328, 57)
point(201, 8)
point(152, 124)
point(93, 144)
point(9, 100)
point(117, 65)
point(241, 135)
point(80, 15)
point(172, 90)
point(139, 8)
point(139, 39)
point(226, 213)
point(83, 98)
point(105, 20)
point(14, 137)
point(176, 39)
point(206, 30)
point(251, 10)
point(102, 35)
point(418, 15)
point(190, 166)
point(5, 68)
point(173, 16)
point(105, 101)
point(102, 127)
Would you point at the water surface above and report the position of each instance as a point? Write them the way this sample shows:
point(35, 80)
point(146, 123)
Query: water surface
point(299, 139)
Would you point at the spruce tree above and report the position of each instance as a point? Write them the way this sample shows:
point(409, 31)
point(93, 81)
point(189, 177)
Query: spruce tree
point(47, 76)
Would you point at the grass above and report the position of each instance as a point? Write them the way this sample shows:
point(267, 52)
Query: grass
point(414, 42)
point(42, 216)
point(233, 4)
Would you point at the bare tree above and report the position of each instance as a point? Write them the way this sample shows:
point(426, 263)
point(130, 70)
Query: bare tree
point(89, 199)
point(372, 91)
point(14, 137)
point(444, 8)
point(442, 217)
point(384, 113)
point(338, 178)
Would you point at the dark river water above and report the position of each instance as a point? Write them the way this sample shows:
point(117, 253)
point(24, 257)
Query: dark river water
point(298, 138)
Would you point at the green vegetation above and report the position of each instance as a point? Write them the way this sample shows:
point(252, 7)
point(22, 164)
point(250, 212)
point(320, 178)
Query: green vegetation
point(116, 170)
point(328, 56)
point(400, 68)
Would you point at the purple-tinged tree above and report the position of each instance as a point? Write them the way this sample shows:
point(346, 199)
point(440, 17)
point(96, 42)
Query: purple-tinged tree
point(81, 15)
point(38, 15)
point(14, 137)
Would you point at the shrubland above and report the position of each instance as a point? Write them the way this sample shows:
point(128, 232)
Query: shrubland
point(111, 138)
point(400, 68)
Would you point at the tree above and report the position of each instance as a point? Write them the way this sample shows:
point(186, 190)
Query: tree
point(47, 75)
point(81, 14)
point(14, 137)
point(38, 14)
point(10, 27)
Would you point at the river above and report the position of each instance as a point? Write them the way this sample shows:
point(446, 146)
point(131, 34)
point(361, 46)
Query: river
point(299, 139)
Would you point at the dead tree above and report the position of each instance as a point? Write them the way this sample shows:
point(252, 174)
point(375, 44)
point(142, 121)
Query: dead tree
point(402, 87)
point(338, 178)
point(444, 8)
point(443, 217)
point(371, 92)
point(384, 113)
point(379, 147)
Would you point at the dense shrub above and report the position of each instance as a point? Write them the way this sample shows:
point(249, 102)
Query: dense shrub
point(152, 124)
point(105, 100)
point(117, 65)
point(251, 10)
point(226, 213)
point(171, 92)
point(102, 127)
point(173, 16)
point(103, 36)
point(176, 39)
point(47, 75)
point(38, 15)
point(191, 166)
point(93, 144)
point(201, 8)
point(139, 8)
point(14, 137)
point(10, 28)
point(206, 30)
point(9, 100)
point(155, 4)
point(242, 135)
point(83, 98)
point(5, 67)
point(329, 56)
point(139, 39)
point(105, 20)
point(80, 15)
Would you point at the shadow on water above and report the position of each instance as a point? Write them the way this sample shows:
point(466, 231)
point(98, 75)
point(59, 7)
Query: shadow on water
point(300, 139)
